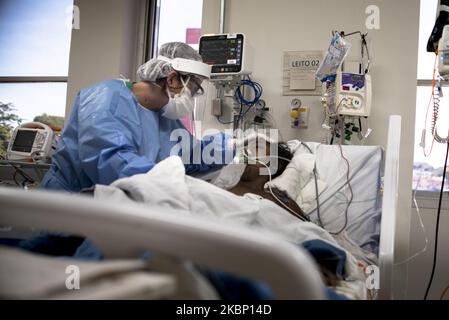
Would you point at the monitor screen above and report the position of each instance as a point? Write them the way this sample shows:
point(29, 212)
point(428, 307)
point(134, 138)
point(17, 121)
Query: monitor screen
point(24, 141)
point(223, 52)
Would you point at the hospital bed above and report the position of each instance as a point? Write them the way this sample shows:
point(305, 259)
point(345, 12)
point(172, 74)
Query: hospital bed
point(290, 270)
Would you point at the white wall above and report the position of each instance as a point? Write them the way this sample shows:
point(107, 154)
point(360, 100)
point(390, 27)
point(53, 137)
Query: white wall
point(276, 26)
point(105, 45)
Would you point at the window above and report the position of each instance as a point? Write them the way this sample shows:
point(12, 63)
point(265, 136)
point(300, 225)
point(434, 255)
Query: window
point(34, 58)
point(179, 20)
point(34, 99)
point(428, 170)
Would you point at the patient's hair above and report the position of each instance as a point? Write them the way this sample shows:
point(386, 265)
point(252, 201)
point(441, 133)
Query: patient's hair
point(284, 153)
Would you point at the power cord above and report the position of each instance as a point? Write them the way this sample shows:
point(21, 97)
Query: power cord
point(269, 185)
point(435, 251)
point(26, 178)
point(351, 197)
point(320, 221)
point(255, 86)
point(317, 193)
point(240, 98)
point(444, 293)
point(277, 199)
point(318, 211)
point(422, 228)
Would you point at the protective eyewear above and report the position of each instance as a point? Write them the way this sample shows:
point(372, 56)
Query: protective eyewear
point(197, 89)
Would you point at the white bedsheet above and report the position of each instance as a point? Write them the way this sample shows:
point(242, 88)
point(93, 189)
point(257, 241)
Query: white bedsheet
point(298, 181)
point(25, 275)
point(167, 186)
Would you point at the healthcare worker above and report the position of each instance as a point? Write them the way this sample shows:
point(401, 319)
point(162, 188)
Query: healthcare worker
point(118, 128)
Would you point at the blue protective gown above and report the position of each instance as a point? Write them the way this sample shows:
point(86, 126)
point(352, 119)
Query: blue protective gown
point(110, 135)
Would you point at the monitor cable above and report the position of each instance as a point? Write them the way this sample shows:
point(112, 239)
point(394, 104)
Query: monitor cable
point(435, 251)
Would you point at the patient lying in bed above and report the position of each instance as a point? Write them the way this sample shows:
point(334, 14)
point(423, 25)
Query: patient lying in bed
point(247, 204)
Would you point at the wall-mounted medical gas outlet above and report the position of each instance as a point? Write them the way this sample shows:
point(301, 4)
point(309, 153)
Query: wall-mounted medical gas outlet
point(353, 92)
point(299, 114)
point(228, 54)
point(261, 105)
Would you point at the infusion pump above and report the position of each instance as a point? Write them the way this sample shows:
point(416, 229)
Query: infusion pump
point(353, 92)
point(32, 141)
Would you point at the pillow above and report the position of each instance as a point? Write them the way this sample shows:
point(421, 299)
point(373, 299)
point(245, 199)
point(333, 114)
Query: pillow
point(298, 181)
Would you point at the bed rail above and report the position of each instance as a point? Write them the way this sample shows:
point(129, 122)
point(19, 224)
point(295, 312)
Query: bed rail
point(389, 208)
point(127, 231)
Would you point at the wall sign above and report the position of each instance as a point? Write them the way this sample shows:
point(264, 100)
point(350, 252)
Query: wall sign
point(299, 73)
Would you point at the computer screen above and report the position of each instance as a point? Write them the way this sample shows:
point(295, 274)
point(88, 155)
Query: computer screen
point(223, 52)
point(24, 141)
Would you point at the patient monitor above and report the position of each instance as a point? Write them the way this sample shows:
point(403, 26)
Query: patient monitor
point(228, 54)
point(230, 58)
point(31, 141)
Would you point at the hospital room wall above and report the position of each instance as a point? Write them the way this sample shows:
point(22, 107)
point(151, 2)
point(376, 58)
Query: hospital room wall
point(105, 45)
point(273, 27)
